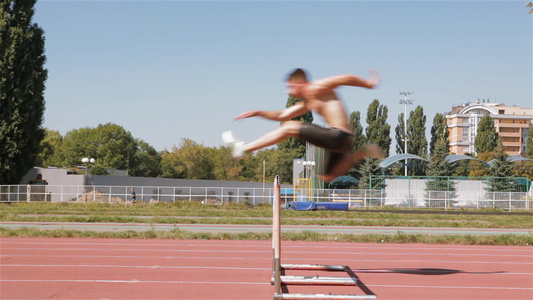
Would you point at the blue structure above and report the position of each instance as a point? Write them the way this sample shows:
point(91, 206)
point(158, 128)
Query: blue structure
point(396, 158)
point(310, 205)
point(513, 158)
point(455, 158)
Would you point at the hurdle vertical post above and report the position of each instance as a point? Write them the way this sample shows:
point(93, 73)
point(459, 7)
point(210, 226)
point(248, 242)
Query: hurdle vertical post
point(276, 238)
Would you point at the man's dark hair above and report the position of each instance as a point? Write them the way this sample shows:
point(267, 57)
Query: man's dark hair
point(297, 74)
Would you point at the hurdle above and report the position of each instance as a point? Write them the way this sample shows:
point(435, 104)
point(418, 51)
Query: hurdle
point(278, 270)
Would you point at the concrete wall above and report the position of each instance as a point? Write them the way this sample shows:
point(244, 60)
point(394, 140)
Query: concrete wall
point(66, 187)
point(60, 177)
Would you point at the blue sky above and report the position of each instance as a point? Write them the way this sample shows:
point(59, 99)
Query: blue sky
point(168, 70)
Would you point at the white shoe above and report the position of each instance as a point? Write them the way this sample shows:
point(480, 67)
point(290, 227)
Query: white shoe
point(237, 147)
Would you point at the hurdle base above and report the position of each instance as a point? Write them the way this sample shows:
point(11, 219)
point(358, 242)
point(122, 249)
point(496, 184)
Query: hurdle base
point(321, 296)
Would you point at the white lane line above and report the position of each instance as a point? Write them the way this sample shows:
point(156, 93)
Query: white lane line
point(392, 270)
point(267, 243)
point(270, 251)
point(134, 281)
point(450, 287)
point(141, 267)
point(257, 283)
point(329, 260)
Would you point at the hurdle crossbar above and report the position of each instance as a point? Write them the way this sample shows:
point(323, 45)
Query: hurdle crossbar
point(313, 267)
point(277, 279)
point(317, 280)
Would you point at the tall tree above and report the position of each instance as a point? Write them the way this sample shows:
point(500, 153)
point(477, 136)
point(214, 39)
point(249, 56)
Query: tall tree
point(110, 144)
point(400, 135)
point(439, 132)
point(145, 161)
point(487, 137)
point(22, 84)
point(370, 168)
point(502, 168)
point(529, 143)
point(190, 161)
point(439, 185)
point(378, 131)
point(294, 143)
point(416, 132)
point(50, 154)
point(358, 135)
point(225, 167)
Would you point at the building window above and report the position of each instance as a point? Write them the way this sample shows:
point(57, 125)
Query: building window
point(465, 149)
point(501, 111)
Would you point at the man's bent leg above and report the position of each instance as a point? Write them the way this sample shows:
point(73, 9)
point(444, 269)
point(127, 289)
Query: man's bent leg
point(286, 130)
point(351, 159)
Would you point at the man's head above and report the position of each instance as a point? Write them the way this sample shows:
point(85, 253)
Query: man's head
point(296, 81)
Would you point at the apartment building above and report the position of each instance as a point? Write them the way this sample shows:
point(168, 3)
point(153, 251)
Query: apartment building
point(511, 123)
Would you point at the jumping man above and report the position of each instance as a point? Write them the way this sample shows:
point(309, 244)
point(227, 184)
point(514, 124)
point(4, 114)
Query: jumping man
point(318, 96)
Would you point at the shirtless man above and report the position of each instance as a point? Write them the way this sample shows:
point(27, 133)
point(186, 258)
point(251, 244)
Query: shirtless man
point(318, 96)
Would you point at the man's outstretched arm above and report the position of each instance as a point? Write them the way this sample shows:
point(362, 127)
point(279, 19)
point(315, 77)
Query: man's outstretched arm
point(350, 80)
point(275, 115)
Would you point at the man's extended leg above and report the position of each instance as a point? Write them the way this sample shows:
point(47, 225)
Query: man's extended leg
point(286, 130)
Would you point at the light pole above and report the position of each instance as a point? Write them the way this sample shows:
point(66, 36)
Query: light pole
point(405, 101)
point(87, 161)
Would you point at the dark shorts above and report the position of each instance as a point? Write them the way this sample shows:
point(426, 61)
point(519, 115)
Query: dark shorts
point(336, 142)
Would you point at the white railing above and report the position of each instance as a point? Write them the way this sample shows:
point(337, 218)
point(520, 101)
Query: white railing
point(402, 198)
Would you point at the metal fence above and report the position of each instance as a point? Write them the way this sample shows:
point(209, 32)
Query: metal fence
point(397, 194)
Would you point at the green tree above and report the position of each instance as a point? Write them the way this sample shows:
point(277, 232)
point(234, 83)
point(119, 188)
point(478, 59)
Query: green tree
point(22, 84)
point(439, 131)
point(501, 168)
point(251, 164)
point(145, 161)
point(225, 167)
point(370, 168)
point(172, 166)
point(478, 170)
point(487, 137)
point(400, 135)
point(378, 131)
point(529, 143)
point(416, 133)
point(295, 143)
point(278, 162)
point(190, 161)
point(439, 185)
point(358, 135)
point(110, 144)
point(50, 155)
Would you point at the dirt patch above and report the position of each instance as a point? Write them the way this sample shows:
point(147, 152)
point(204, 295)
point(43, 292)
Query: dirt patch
point(98, 197)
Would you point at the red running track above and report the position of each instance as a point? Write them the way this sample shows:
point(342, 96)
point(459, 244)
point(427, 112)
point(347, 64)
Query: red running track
point(50, 268)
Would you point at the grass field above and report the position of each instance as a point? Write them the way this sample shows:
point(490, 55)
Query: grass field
point(191, 212)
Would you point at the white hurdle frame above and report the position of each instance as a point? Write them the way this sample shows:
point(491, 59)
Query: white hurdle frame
point(277, 279)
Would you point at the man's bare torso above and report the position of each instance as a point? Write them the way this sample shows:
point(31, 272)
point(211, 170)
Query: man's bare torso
point(326, 103)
